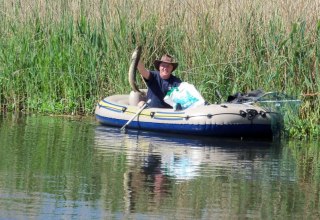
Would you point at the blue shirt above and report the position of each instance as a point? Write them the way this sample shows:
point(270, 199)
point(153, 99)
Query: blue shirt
point(158, 88)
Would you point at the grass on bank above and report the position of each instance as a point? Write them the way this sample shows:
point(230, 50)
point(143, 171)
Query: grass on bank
point(64, 56)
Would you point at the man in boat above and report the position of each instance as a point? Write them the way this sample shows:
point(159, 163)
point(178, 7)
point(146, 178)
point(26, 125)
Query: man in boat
point(159, 82)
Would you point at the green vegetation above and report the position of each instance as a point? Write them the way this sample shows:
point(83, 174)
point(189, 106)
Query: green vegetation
point(63, 56)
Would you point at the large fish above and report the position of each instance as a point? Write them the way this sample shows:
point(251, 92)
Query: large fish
point(133, 69)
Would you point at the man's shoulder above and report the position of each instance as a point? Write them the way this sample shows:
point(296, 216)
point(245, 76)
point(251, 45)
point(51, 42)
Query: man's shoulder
point(176, 79)
point(154, 74)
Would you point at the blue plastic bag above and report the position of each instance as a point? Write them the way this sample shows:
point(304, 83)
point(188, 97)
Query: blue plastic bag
point(185, 96)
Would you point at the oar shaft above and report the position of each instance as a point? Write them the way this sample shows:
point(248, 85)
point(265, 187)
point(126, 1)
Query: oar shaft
point(273, 101)
point(140, 110)
point(285, 100)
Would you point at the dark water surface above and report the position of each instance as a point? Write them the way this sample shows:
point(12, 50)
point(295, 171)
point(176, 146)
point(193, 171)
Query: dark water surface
point(69, 168)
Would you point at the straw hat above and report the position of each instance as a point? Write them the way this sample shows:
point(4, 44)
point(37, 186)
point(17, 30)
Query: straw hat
point(166, 59)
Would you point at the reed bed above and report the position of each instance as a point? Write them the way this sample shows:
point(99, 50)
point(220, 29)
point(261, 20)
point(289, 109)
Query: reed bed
point(63, 56)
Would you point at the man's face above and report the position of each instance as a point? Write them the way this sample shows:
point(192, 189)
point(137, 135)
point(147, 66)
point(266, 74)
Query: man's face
point(165, 70)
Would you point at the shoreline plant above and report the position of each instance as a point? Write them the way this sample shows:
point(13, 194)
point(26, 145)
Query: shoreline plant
point(62, 57)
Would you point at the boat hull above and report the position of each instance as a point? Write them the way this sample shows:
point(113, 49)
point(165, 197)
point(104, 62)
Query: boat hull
point(227, 119)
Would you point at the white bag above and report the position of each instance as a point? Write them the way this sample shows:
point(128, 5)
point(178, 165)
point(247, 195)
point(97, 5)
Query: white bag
point(186, 95)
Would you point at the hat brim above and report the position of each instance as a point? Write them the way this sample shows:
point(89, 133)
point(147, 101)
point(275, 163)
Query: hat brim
point(157, 63)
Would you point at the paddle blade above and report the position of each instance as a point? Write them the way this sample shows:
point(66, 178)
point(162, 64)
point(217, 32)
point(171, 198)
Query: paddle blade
point(279, 102)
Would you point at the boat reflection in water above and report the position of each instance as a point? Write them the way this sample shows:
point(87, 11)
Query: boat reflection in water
point(156, 162)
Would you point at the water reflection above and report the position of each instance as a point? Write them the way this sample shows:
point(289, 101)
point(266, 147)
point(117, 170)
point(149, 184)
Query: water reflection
point(159, 163)
point(45, 168)
point(182, 157)
point(64, 168)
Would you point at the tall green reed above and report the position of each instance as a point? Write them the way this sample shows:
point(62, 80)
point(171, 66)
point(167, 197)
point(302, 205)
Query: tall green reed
point(62, 57)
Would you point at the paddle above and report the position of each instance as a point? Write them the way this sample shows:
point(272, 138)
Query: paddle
point(133, 117)
point(278, 102)
point(273, 97)
point(272, 101)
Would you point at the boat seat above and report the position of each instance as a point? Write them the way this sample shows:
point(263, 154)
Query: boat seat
point(136, 97)
point(120, 99)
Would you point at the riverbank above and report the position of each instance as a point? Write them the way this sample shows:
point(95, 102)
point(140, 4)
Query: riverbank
point(63, 57)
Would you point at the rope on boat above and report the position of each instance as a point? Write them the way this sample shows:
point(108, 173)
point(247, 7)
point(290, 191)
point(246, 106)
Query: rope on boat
point(249, 113)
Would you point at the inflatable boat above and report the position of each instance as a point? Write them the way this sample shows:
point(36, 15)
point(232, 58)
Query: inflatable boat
point(225, 119)
point(239, 116)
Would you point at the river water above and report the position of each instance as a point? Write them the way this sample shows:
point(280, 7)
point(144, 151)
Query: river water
point(72, 168)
